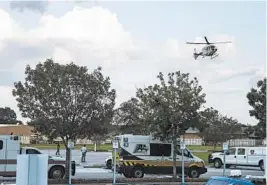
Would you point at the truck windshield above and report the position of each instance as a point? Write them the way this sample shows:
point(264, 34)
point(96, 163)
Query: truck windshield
point(32, 151)
point(186, 152)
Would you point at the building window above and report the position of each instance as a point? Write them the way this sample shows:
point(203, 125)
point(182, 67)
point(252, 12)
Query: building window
point(1, 144)
point(160, 149)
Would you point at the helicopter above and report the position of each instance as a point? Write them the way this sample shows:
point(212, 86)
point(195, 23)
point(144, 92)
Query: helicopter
point(210, 50)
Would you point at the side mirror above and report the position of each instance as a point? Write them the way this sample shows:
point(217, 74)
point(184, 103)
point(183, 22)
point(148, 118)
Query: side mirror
point(227, 153)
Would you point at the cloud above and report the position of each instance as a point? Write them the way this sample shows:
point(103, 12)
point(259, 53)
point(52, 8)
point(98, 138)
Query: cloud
point(225, 90)
point(228, 73)
point(95, 37)
point(39, 6)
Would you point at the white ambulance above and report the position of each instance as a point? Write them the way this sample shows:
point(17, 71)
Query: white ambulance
point(141, 155)
point(240, 156)
point(10, 148)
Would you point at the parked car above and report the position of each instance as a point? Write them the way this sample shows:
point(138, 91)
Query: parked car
point(108, 162)
point(216, 180)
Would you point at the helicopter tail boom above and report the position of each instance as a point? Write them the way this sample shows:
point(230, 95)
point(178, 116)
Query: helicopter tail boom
point(196, 54)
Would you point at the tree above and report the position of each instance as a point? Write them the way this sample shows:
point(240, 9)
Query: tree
point(8, 116)
point(172, 104)
point(218, 128)
point(129, 117)
point(257, 100)
point(65, 101)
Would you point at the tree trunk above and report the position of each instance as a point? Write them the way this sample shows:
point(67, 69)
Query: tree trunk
point(95, 147)
point(67, 163)
point(174, 142)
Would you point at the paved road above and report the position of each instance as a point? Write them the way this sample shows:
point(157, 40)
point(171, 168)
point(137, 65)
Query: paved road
point(98, 158)
point(92, 158)
point(92, 173)
point(100, 173)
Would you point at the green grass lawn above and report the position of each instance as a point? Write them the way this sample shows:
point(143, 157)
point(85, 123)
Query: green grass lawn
point(192, 147)
point(109, 147)
point(202, 155)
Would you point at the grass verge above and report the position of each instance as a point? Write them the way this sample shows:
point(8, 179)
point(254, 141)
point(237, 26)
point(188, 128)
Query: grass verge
point(202, 155)
point(109, 147)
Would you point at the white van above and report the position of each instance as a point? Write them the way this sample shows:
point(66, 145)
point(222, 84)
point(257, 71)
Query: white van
point(240, 156)
point(141, 155)
point(10, 148)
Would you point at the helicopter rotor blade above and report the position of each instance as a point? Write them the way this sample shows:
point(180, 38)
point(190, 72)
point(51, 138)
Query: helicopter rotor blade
point(195, 43)
point(206, 40)
point(221, 42)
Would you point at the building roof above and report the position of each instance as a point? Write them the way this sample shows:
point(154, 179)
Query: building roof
point(22, 130)
point(192, 130)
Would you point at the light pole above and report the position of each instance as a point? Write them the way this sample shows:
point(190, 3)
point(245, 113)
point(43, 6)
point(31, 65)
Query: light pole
point(115, 147)
point(225, 148)
point(182, 147)
point(70, 146)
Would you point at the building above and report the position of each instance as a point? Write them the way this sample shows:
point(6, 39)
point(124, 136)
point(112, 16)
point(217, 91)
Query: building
point(25, 131)
point(192, 137)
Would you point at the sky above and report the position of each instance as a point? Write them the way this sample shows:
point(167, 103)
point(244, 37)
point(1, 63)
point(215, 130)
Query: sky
point(135, 40)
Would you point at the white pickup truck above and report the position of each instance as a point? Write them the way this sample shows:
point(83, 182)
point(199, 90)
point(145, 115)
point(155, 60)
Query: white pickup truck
point(10, 148)
point(240, 156)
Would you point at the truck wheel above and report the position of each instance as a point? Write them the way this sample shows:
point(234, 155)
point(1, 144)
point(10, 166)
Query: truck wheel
point(261, 164)
point(109, 164)
point(56, 172)
point(126, 175)
point(217, 163)
point(193, 173)
point(138, 172)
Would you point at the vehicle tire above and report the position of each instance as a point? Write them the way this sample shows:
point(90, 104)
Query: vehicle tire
point(193, 172)
point(138, 172)
point(261, 164)
point(126, 175)
point(56, 172)
point(109, 164)
point(217, 163)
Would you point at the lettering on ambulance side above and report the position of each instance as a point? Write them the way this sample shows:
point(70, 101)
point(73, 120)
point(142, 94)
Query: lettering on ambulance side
point(141, 148)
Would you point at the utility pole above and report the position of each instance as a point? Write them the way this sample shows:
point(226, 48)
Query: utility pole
point(225, 149)
point(115, 147)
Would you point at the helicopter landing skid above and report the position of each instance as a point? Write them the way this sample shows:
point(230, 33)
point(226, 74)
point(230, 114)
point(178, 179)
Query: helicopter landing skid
point(214, 56)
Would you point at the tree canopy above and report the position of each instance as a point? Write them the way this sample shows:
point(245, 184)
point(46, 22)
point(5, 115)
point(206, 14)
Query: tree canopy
point(130, 117)
point(218, 128)
point(257, 100)
point(65, 100)
point(171, 106)
point(8, 116)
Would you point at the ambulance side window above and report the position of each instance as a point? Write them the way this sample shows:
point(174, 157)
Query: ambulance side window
point(160, 149)
point(1, 144)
